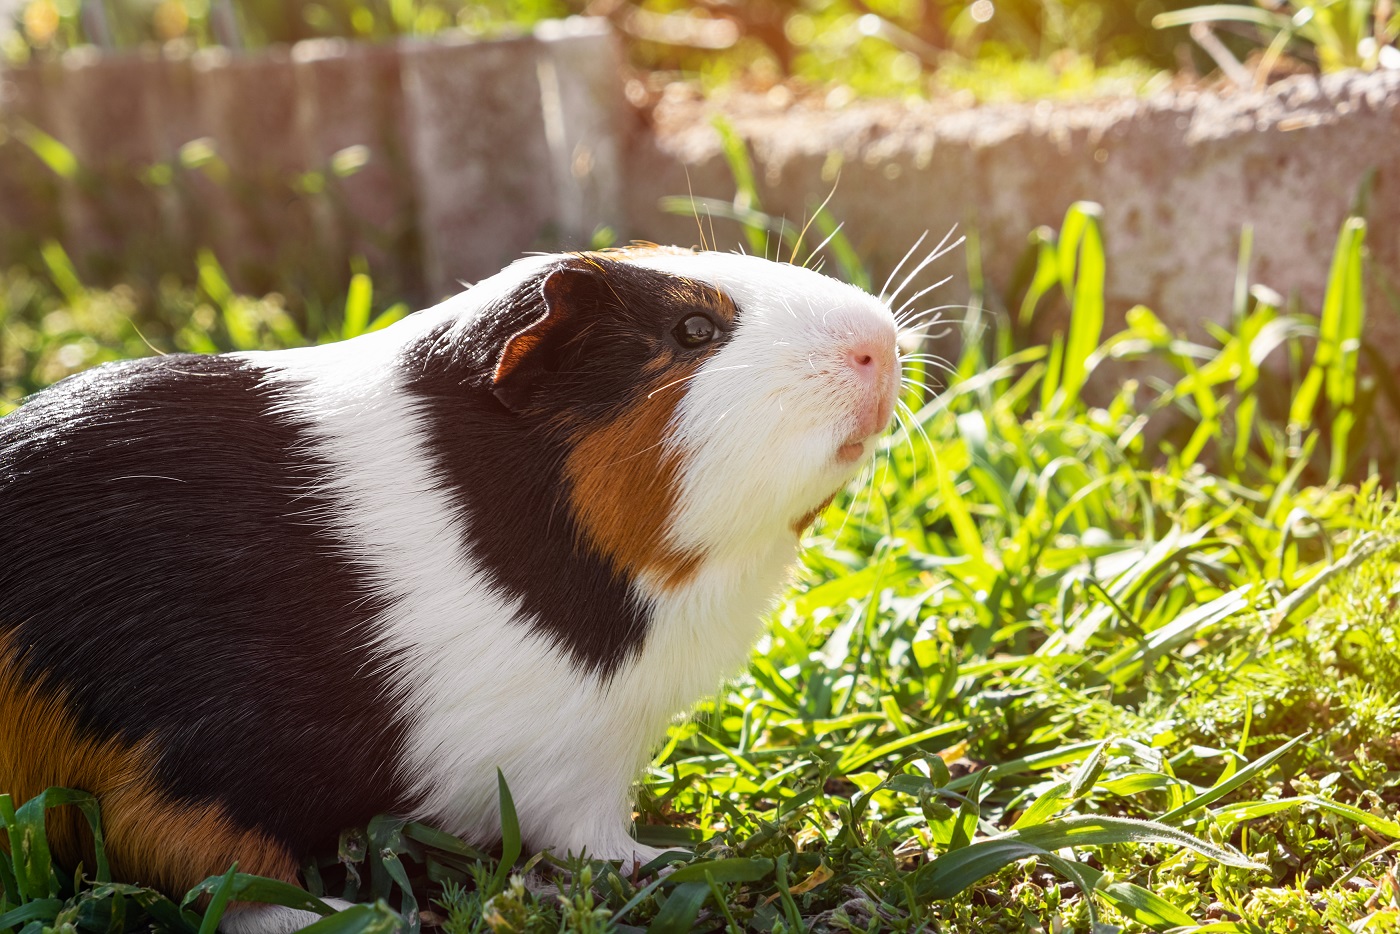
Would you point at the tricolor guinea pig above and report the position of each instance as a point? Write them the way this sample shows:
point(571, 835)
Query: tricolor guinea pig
point(251, 599)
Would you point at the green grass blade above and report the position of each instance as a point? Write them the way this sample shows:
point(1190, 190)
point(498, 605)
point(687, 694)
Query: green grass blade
point(1223, 12)
point(409, 904)
point(58, 157)
point(1046, 276)
point(1046, 805)
point(441, 840)
point(950, 874)
point(357, 305)
point(14, 872)
point(1223, 788)
point(682, 907)
point(41, 909)
point(511, 843)
point(29, 844)
point(1143, 906)
point(733, 869)
point(736, 154)
point(246, 888)
point(378, 918)
point(1087, 309)
point(1339, 323)
point(215, 912)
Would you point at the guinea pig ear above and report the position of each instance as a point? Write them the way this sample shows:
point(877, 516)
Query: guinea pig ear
point(532, 354)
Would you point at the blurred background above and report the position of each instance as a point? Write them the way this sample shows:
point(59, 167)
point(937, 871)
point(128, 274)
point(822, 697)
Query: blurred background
point(183, 157)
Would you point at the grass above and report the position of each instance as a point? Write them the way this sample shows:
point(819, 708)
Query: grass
point(1080, 654)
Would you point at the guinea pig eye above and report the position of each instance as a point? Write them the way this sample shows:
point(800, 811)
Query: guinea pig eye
point(695, 331)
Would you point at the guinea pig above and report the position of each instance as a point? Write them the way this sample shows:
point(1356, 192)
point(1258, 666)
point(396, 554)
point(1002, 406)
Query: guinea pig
point(251, 599)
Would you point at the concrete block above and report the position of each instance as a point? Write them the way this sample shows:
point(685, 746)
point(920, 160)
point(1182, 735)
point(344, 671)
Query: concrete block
point(585, 114)
point(482, 163)
point(349, 100)
point(105, 108)
point(263, 231)
point(28, 188)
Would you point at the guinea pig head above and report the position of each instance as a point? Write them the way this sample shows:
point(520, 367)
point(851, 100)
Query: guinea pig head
point(786, 409)
point(602, 367)
point(707, 400)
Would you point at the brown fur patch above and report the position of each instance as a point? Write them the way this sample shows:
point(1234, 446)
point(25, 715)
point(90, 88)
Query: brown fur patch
point(622, 480)
point(801, 524)
point(151, 839)
point(623, 476)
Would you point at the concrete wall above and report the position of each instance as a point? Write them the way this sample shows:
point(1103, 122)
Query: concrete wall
point(468, 154)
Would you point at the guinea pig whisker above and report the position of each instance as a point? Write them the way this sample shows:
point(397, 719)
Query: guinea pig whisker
point(928, 335)
point(846, 513)
point(683, 379)
point(938, 365)
point(797, 244)
point(821, 246)
point(906, 321)
point(900, 265)
point(928, 358)
point(906, 436)
point(919, 427)
point(920, 294)
point(923, 355)
point(903, 319)
point(938, 252)
point(694, 209)
point(870, 488)
point(716, 422)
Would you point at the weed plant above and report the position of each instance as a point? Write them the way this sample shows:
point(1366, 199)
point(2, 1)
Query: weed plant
point(1078, 653)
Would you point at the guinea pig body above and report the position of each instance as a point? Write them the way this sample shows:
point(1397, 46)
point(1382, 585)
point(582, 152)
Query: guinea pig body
point(251, 599)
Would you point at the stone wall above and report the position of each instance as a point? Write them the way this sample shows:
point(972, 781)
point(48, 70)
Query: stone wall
point(435, 160)
point(1178, 176)
point(474, 152)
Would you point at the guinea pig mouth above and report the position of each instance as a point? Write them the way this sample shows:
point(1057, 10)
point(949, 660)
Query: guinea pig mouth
point(873, 419)
point(853, 450)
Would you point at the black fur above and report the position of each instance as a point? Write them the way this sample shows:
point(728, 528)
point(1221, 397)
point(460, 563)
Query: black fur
point(162, 562)
point(505, 462)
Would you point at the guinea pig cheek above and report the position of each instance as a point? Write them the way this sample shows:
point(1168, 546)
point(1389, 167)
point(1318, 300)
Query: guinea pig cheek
point(623, 478)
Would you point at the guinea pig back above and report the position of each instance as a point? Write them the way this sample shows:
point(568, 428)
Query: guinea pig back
point(252, 599)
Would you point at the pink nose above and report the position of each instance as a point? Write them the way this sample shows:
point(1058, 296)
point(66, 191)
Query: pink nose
point(872, 360)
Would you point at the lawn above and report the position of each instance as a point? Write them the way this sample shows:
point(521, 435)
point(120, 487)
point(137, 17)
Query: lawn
point(1078, 653)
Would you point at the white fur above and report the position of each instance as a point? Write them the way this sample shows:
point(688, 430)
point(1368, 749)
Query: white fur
point(251, 918)
point(757, 430)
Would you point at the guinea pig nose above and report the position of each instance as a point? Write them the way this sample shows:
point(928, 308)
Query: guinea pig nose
point(870, 359)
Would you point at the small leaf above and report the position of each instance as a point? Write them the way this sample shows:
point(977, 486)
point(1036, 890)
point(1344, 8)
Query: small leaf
point(248, 888)
point(1143, 906)
point(378, 918)
point(682, 907)
point(510, 836)
point(737, 869)
point(215, 912)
